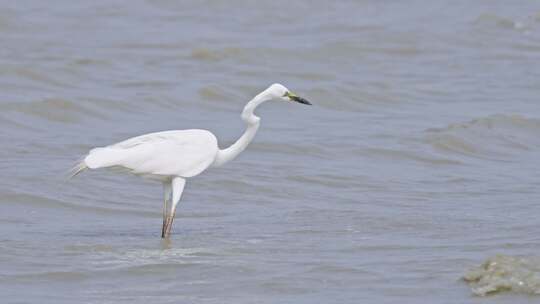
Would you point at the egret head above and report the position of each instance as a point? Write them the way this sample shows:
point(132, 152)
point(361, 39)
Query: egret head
point(280, 92)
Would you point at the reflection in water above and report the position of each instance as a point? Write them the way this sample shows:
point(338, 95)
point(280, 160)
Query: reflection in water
point(166, 244)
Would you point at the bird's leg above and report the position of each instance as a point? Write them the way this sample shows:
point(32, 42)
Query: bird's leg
point(177, 185)
point(166, 197)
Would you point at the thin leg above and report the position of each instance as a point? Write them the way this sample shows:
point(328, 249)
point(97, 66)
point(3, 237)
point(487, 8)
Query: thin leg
point(166, 197)
point(177, 185)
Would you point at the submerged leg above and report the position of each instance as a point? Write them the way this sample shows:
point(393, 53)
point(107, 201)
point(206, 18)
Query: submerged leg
point(177, 185)
point(166, 197)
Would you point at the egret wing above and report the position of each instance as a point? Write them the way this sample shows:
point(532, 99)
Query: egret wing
point(183, 153)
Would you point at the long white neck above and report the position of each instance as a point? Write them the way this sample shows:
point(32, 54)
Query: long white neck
point(253, 122)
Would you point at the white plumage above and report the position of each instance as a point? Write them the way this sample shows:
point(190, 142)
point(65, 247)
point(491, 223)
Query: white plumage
point(183, 153)
point(173, 156)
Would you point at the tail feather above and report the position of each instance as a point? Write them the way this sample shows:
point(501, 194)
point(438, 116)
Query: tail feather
point(97, 158)
point(78, 168)
point(104, 157)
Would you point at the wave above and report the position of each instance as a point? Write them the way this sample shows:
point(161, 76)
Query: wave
point(490, 20)
point(34, 76)
point(52, 109)
point(496, 136)
point(394, 154)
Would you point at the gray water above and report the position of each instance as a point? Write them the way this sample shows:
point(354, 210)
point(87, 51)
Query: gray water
point(418, 161)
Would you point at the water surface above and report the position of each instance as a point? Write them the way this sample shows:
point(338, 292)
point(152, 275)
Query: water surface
point(418, 161)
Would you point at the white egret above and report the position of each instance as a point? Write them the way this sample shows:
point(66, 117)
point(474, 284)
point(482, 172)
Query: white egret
point(174, 156)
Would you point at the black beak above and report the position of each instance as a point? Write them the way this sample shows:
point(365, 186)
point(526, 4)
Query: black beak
point(300, 100)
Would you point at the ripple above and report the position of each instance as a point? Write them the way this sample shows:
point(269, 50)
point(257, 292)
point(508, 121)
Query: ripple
point(47, 202)
point(48, 276)
point(209, 55)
